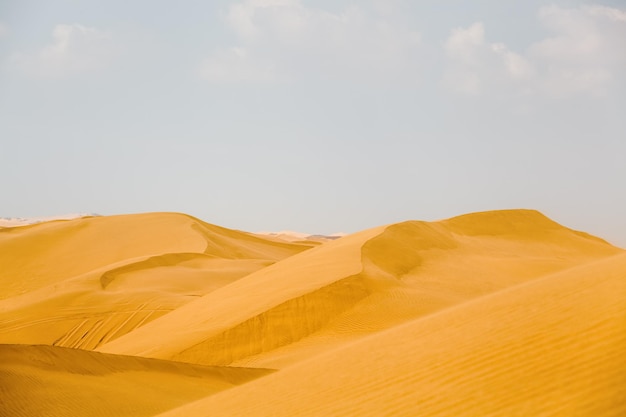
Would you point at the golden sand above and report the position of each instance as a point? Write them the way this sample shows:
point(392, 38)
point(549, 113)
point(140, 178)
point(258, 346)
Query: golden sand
point(493, 313)
point(84, 282)
point(54, 381)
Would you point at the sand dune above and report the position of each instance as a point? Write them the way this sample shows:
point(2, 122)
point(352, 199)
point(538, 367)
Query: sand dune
point(82, 283)
point(552, 347)
point(405, 270)
point(41, 254)
point(246, 300)
point(494, 313)
point(54, 381)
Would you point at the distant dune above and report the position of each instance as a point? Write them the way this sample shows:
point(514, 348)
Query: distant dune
point(291, 236)
point(493, 313)
point(25, 221)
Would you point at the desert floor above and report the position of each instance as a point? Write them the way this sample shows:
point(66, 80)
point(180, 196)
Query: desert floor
point(501, 313)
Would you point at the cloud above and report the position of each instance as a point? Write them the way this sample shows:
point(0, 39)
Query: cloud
point(463, 44)
point(465, 47)
point(615, 15)
point(3, 30)
point(583, 55)
point(516, 66)
point(74, 49)
point(294, 41)
point(474, 64)
point(586, 50)
point(243, 17)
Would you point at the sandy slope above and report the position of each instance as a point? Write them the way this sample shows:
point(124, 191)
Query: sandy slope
point(361, 284)
point(41, 254)
point(53, 381)
point(551, 347)
point(84, 282)
point(248, 299)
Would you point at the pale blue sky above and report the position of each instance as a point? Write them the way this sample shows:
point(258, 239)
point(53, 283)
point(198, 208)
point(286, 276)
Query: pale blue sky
point(318, 116)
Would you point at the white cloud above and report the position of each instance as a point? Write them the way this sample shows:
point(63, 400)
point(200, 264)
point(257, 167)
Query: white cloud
point(586, 51)
point(299, 41)
point(465, 48)
point(583, 56)
point(516, 66)
point(474, 64)
point(243, 17)
point(74, 49)
point(608, 12)
point(464, 43)
point(3, 30)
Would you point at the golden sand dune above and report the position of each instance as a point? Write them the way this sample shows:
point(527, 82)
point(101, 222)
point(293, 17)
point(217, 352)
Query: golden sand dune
point(41, 254)
point(84, 282)
point(271, 297)
point(493, 313)
point(54, 381)
point(551, 347)
point(360, 284)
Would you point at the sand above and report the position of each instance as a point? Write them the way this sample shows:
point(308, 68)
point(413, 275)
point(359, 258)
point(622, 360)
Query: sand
point(553, 347)
point(55, 381)
point(357, 285)
point(84, 282)
point(494, 313)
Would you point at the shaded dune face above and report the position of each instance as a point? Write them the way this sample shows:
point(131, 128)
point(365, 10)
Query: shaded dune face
point(494, 313)
point(279, 326)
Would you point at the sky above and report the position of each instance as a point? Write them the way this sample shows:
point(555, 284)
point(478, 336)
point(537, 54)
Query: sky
point(316, 116)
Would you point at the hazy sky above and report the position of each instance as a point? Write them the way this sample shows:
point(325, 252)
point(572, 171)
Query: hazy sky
point(318, 116)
